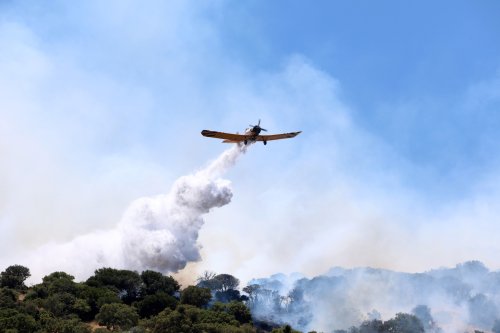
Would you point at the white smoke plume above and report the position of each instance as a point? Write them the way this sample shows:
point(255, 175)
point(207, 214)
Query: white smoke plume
point(158, 232)
point(460, 299)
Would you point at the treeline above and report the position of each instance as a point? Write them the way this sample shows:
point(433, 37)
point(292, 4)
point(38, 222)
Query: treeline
point(115, 300)
point(120, 300)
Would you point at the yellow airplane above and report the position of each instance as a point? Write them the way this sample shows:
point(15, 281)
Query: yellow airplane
point(252, 134)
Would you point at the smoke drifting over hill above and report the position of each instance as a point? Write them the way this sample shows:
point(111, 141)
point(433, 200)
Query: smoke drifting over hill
point(158, 232)
point(459, 299)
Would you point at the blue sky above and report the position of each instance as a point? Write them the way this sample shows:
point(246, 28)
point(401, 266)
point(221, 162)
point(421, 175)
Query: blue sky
point(103, 102)
point(405, 68)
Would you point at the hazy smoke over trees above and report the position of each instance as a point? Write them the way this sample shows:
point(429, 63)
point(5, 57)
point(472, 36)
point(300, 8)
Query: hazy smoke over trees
point(445, 300)
point(158, 233)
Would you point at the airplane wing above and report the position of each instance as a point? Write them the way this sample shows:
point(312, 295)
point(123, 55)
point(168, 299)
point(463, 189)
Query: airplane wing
point(277, 136)
point(226, 136)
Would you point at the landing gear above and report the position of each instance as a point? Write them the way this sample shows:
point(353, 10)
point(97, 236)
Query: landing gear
point(245, 142)
point(265, 143)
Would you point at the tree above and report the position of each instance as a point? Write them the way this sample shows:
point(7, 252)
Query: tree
point(60, 304)
point(252, 291)
point(14, 277)
point(71, 325)
point(371, 326)
point(127, 283)
point(8, 298)
point(82, 309)
point(423, 313)
point(173, 321)
point(226, 282)
point(57, 276)
point(30, 308)
point(191, 319)
point(240, 312)
point(16, 321)
point(117, 316)
point(403, 323)
point(154, 282)
point(220, 282)
point(60, 282)
point(196, 296)
point(96, 297)
point(223, 286)
point(151, 305)
point(206, 276)
point(207, 280)
point(50, 323)
point(227, 295)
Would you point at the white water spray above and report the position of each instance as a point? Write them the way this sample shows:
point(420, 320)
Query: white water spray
point(158, 233)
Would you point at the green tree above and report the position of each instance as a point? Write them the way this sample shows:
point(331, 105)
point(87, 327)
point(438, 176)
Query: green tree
point(154, 282)
point(49, 323)
point(96, 297)
point(59, 282)
point(8, 298)
point(11, 319)
point(240, 312)
point(196, 296)
point(82, 309)
point(127, 283)
point(60, 304)
point(190, 319)
point(14, 277)
point(117, 316)
point(37, 291)
point(151, 305)
point(31, 308)
point(169, 321)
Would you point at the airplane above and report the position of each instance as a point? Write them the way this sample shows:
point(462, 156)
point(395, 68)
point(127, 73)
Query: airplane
point(252, 134)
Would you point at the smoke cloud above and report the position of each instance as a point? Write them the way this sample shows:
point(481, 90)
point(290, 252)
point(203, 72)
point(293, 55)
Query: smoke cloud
point(158, 232)
point(458, 299)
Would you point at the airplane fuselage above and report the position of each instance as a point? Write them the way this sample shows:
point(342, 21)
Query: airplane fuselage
point(253, 131)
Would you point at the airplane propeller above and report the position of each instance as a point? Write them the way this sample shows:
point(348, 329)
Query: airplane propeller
point(258, 126)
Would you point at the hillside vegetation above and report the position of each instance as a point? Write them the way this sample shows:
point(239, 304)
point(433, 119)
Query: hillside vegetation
point(115, 300)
